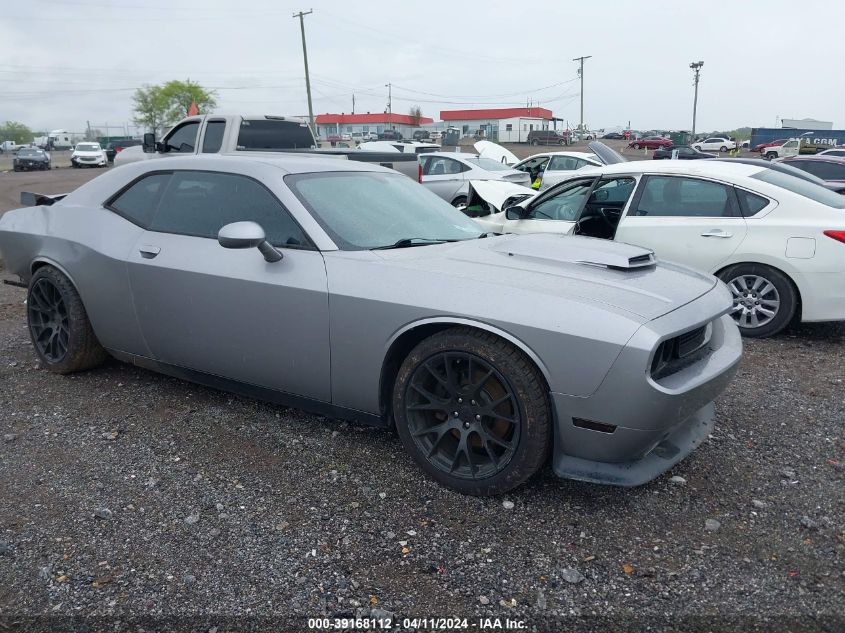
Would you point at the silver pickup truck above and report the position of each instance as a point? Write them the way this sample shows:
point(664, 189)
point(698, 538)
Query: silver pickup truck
point(229, 133)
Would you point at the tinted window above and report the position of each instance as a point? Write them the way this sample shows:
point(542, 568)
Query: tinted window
point(822, 169)
point(751, 203)
point(201, 203)
point(213, 139)
point(138, 203)
point(685, 197)
point(564, 204)
point(184, 139)
point(362, 210)
point(801, 187)
point(273, 134)
point(440, 166)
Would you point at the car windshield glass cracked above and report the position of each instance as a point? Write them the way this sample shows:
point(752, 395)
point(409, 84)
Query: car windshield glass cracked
point(362, 210)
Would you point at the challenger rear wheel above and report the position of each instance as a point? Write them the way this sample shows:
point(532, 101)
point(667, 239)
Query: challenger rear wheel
point(764, 299)
point(58, 324)
point(473, 411)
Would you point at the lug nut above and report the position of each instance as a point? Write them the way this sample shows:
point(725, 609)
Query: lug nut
point(478, 417)
point(460, 400)
point(455, 414)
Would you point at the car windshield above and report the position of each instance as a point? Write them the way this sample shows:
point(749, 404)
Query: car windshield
point(802, 187)
point(87, 147)
point(488, 163)
point(363, 210)
point(29, 152)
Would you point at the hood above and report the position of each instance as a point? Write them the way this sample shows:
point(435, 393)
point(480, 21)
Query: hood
point(605, 154)
point(87, 152)
point(497, 192)
point(494, 151)
point(608, 275)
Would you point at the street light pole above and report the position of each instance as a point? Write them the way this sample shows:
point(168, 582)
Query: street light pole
point(696, 67)
point(301, 15)
point(581, 75)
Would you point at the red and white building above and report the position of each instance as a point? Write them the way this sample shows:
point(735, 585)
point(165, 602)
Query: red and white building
point(337, 124)
point(505, 125)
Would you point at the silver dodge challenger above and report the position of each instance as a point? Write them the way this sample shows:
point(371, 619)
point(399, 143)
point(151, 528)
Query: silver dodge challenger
point(350, 290)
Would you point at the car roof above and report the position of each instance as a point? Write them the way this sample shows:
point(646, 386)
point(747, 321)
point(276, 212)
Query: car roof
point(823, 158)
point(709, 168)
point(586, 155)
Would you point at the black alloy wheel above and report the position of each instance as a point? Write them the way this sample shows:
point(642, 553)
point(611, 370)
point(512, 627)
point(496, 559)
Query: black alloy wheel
point(473, 411)
point(48, 320)
point(463, 415)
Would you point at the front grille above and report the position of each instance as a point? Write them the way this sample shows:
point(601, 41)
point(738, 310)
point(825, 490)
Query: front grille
point(678, 353)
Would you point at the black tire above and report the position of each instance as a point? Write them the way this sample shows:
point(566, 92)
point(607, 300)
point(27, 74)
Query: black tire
point(527, 433)
point(459, 200)
point(63, 338)
point(636, 146)
point(784, 292)
point(771, 155)
point(723, 149)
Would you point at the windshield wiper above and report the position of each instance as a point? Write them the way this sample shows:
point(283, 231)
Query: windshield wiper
point(411, 241)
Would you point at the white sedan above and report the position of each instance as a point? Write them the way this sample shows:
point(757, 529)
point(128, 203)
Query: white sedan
point(778, 241)
point(715, 144)
point(553, 167)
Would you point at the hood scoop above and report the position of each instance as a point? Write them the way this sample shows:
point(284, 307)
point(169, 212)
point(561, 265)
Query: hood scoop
point(586, 251)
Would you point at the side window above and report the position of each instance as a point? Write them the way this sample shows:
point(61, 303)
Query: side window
point(184, 138)
point(440, 166)
point(751, 203)
point(269, 134)
point(563, 163)
point(685, 197)
point(200, 203)
point(508, 127)
point(138, 203)
point(213, 139)
point(563, 205)
point(824, 170)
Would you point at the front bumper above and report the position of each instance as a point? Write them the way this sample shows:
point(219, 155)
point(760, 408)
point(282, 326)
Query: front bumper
point(633, 428)
point(30, 165)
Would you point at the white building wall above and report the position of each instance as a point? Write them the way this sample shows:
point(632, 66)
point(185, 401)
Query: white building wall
point(518, 132)
point(807, 124)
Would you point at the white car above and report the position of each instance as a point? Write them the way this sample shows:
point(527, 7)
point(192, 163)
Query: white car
point(88, 155)
point(447, 174)
point(553, 167)
point(836, 152)
point(791, 148)
point(715, 143)
point(778, 241)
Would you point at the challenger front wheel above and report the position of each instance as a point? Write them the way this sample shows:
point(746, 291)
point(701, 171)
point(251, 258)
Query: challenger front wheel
point(473, 411)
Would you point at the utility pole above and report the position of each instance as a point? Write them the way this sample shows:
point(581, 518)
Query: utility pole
point(581, 75)
point(389, 87)
point(301, 15)
point(353, 103)
point(696, 67)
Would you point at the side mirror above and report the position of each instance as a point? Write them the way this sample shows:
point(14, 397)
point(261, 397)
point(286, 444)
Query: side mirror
point(515, 213)
point(149, 143)
point(247, 235)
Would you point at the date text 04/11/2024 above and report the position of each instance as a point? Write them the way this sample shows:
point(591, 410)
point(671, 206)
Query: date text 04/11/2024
point(424, 623)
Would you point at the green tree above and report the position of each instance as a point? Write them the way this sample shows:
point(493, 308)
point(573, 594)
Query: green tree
point(162, 105)
point(14, 131)
point(181, 94)
point(150, 108)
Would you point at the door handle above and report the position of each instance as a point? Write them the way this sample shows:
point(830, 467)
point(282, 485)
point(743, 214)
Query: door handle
point(148, 252)
point(716, 233)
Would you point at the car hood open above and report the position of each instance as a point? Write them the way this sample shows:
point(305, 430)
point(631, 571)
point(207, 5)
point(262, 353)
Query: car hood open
point(615, 276)
point(497, 192)
point(494, 151)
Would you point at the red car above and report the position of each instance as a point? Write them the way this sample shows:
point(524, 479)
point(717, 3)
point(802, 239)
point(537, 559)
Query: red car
point(762, 146)
point(651, 142)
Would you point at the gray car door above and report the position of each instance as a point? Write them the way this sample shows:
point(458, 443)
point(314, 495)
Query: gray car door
point(229, 312)
point(443, 176)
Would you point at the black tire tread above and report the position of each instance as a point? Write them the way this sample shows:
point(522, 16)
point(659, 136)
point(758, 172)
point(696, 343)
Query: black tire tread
point(535, 444)
point(84, 350)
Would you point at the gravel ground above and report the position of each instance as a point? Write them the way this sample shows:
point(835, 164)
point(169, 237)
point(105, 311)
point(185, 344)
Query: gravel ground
point(134, 501)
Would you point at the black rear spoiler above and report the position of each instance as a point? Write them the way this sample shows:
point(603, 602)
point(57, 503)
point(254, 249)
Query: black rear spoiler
point(30, 199)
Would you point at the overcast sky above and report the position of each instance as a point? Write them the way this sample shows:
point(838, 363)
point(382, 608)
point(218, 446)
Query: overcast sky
point(65, 62)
